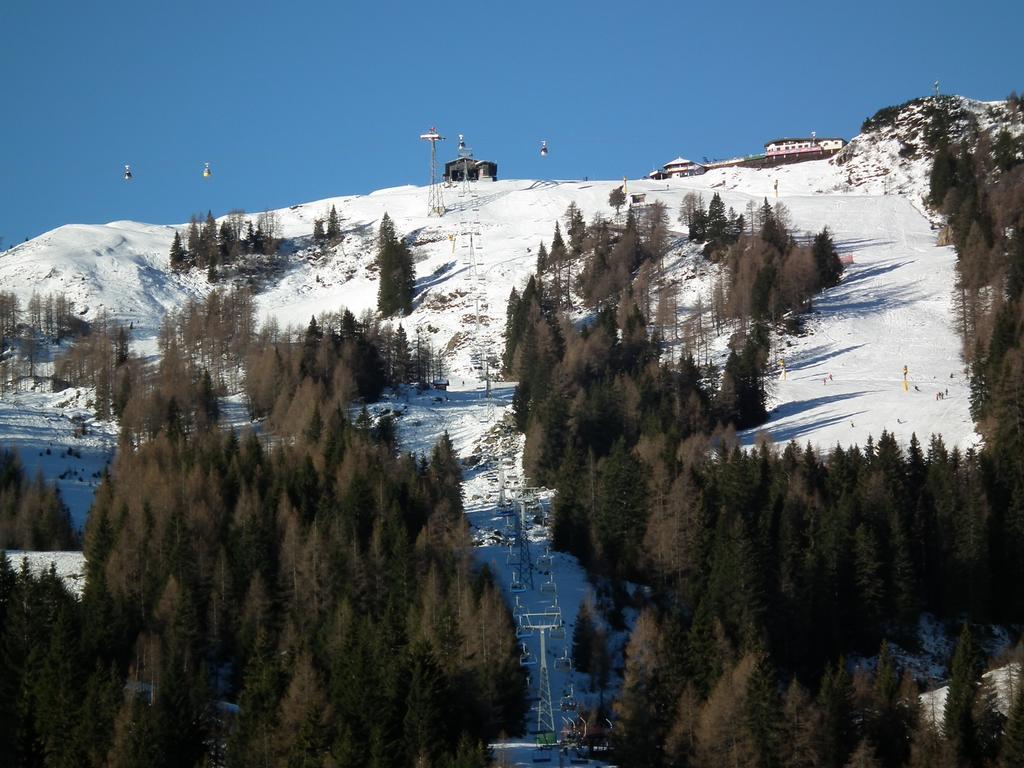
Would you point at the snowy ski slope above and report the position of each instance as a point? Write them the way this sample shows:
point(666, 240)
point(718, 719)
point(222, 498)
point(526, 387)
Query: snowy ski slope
point(122, 268)
point(893, 308)
point(844, 377)
point(58, 437)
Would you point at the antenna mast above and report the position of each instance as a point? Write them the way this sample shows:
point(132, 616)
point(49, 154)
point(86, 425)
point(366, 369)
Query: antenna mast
point(435, 203)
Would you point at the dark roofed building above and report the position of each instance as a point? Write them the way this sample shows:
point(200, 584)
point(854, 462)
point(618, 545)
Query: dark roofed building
point(475, 170)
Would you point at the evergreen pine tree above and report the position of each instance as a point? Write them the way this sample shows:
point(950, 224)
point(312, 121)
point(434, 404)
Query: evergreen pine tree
point(401, 362)
point(698, 229)
point(397, 274)
point(868, 579)
point(957, 719)
point(763, 711)
point(836, 702)
point(583, 639)
point(208, 242)
point(617, 199)
point(333, 226)
point(227, 243)
point(826, 259)
point(178, 254)
point(704, 661)
point(717, 222)
point(58, 690)
point(542, 259)
point(773, 228)
point(1011, 753)
point(194, 240)
point(621, 509)
point(423, 705)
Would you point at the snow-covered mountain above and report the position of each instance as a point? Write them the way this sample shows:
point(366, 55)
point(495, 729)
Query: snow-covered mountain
point(122, 268)
point(843, 378)
point(893, 307)
point(894, 154)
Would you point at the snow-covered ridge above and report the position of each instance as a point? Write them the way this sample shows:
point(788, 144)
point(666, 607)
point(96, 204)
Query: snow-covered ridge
point(843, 381)
point(894, 155)
point(121, 268)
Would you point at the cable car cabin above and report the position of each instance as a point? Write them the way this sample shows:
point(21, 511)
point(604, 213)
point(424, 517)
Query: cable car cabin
point(468, 169)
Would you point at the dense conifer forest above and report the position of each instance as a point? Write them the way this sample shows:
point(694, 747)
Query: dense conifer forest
point(305, 594)
point(300, 596)
point(769, 567)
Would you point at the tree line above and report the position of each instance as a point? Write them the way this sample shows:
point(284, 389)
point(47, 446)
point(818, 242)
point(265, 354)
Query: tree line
point(218, 249)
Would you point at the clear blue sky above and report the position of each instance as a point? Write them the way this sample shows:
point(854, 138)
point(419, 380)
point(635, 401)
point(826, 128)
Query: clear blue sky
point(297, 101)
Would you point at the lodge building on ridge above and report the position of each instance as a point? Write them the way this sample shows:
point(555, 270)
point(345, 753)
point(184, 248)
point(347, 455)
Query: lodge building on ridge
point(476, 170)
point(678, 168)
point(789, 150)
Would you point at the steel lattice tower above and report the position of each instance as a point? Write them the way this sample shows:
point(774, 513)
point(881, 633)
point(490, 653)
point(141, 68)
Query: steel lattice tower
point(435, 202)
point(546, 735)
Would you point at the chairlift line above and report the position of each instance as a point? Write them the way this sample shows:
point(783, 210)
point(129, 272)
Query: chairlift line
point(128, 173)
point(544, 148)
point(207, 173)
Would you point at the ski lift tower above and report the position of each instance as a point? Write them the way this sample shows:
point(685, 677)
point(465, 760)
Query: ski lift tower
point(435, 203)
point(543, 622)
point(466, 157)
